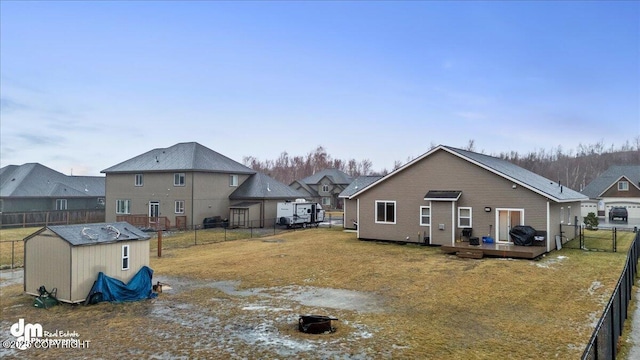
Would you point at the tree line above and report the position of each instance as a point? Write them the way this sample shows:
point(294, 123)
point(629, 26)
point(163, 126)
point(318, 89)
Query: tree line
point(574, 168)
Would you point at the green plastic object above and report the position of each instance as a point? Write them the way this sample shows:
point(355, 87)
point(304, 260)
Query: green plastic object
point(46, 299)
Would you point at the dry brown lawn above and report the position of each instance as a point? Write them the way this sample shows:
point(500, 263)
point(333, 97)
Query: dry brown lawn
point(428, 305)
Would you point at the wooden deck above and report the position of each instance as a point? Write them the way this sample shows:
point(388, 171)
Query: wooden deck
point(463, 249)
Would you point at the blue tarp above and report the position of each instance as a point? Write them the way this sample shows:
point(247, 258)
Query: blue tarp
point(109, 289)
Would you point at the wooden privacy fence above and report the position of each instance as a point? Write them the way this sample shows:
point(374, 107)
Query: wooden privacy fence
point(54, 217)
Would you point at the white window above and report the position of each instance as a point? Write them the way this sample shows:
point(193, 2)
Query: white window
point(233, 180)
point(326, 201)
point(139, 180)
point(385, 212)
point(125, 257)
point(179, 206)
point(623, 186)
point(61, 204)
point(425, 215)
point(123, 206)
point(464, 217)
point(178, 179)
point(325, 187)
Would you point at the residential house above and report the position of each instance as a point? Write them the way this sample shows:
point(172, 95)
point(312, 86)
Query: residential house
point(183, 184)
point(68, 258)
point(619, 185)
point(324, 187)
point(254, 203)
point(34, 187)
point(448, 193)
point(350, 206)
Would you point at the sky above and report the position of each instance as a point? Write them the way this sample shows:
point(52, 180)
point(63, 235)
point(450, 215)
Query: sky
point(87, 85)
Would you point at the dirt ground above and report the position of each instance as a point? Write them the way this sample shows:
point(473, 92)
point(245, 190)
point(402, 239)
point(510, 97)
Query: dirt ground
point(243, 299)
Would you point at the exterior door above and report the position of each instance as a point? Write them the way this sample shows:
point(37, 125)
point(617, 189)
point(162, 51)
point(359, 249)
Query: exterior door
point(154, 209)
point(507, 219)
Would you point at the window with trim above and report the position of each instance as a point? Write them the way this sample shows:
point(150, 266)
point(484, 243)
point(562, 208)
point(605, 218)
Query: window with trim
point(125, 257)
point(61, 204)
point(179, 207)
point(385, 212)
point(123, 206)
point(326, 201)
point(139, 180)
point(325, 187)
point(233, 180)
point(623, 186)
point(465, 217)
point(425, 215)
point(178, 179)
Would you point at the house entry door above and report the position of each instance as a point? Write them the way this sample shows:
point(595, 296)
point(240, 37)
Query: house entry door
point(154, 209)
point(507, 219)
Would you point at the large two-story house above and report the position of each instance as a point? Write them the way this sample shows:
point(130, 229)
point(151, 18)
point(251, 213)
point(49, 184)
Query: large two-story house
point(183, 184)
point(324, 187)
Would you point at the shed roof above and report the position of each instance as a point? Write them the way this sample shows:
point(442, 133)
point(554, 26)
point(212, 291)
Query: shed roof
point(189, 156)
point(610, 177)
point(336, 176)
point(502, 168)
point(37, 180)
point(261, 186)
point(98, 233)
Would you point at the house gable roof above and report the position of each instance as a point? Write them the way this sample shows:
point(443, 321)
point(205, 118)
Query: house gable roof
point(502, 168)
point(610, 177)
point(99, 233)
point(358, 184)
point(189, 156)
point(36, 180)
point(334, 175)
point(261, 186)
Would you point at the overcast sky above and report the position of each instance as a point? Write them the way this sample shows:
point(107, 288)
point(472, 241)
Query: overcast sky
point(87, 85)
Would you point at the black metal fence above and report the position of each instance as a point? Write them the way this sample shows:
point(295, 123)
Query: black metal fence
point(603, 342)
point(216, 232)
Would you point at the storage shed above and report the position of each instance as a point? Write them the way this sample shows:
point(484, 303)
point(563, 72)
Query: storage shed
point(69, 257)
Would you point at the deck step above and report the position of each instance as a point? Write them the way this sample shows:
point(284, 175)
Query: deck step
point(470, 253)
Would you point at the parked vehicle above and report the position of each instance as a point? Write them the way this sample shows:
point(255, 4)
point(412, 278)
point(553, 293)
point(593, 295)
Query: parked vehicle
point(299, 213)
point(618, 213)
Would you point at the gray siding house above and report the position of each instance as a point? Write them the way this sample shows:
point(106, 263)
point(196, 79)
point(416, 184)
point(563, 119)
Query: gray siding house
point(446, 190)
point(35, 187)
point(617, 186)
point(180, 186)
point(69, 257)
point(350, 206)
point(324, 187)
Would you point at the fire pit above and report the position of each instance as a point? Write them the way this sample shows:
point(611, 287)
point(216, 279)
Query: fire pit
point(315, 324)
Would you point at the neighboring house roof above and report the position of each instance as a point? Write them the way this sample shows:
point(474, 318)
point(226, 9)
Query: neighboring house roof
point(336, 176)
point(36, 180)
point(503, 168)
point(100, 233)
point(312, 192)
point(261, 186)
point(189, 156)
point(358, 184)
point(610, 177)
